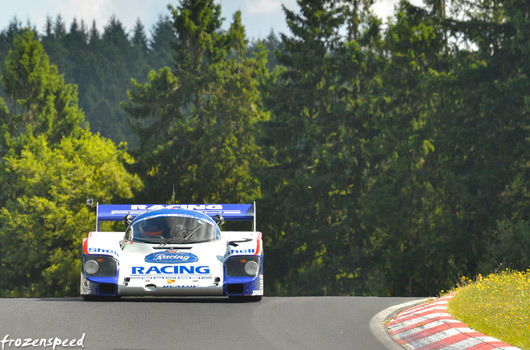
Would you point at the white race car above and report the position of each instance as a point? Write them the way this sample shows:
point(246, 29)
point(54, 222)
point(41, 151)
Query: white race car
point(173, 250)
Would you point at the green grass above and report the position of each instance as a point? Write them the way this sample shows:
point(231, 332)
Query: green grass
point(497, 305)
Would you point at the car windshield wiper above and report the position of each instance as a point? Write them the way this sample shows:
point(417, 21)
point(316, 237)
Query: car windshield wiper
point(179, 237)
point(167, 240)
point(143, 240)
point(192, 232)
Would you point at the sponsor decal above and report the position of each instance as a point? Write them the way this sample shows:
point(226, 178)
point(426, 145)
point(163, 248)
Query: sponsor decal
point(171, 256)
point(103, 251)
point(170, 269)
point(178, 206)
point(177, 286)
point(242, 251)
point(170, 281)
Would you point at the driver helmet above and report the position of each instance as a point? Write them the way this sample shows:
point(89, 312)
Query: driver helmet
point(151, 227)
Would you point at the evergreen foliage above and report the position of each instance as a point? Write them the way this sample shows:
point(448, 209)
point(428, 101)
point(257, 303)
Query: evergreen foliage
point(197, 121)
point(385, 159)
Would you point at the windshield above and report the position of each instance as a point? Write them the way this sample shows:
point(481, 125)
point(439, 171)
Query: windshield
point(165, 229)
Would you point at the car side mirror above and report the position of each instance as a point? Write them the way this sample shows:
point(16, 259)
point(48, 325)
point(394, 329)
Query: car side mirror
point(219, 220)
point(127, 219)
point(90, 204)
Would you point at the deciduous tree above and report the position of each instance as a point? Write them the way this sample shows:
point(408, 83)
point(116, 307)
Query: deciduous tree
point(50, 165)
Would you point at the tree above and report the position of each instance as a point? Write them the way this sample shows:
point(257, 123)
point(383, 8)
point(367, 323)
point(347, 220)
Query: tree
point(47, 105)
point(139, 52)
point(162, 36)
point(139, 39)
point(50, 165)
point(486, 122)
point(321, 113)
point(109, 82)
point(43, 217)
point(270, 45)
point(6, 37)
point(301, 105)
point(6, 43)
point(54, 42)
point(197, 122)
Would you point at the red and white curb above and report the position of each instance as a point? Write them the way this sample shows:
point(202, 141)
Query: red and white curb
point(430, 327)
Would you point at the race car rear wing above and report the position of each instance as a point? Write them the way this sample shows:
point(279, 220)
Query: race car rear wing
point(116, 212)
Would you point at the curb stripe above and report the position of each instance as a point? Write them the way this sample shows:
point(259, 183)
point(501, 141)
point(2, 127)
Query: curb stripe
point(424, 324)
point(412, 320)
point(422, 333)
point(430, 327)
point(426, 315)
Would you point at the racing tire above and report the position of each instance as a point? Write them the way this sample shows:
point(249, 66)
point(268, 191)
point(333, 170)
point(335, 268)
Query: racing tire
point(245, 299)
point(99, 298)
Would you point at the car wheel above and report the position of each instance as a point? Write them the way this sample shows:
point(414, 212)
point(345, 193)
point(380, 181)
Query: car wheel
point(99, 298)
point(245, 299)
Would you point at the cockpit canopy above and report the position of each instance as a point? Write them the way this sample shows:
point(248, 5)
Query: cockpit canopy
point(173, 228)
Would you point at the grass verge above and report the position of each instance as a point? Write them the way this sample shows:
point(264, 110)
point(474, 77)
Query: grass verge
point(497, 305)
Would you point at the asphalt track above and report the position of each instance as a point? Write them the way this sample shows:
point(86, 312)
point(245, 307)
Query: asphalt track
point(198, 323)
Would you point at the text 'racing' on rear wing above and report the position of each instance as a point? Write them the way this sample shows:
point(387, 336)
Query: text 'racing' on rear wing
point(116, 212)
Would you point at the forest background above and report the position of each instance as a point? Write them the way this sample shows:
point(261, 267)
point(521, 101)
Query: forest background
point(385, 159)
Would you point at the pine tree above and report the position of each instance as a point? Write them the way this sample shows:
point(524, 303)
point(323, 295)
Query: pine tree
point(197, 121)
point(162, 35)
point(45, 105)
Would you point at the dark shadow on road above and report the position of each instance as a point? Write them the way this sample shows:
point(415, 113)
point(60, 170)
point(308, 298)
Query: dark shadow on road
point(188, 300)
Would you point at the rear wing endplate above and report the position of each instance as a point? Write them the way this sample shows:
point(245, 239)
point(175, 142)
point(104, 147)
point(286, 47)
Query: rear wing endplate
point(116, 212)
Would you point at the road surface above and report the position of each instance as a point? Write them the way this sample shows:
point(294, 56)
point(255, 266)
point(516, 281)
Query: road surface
point(193, 323)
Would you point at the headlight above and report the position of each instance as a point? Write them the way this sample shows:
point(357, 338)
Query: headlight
point(251, 268)
point(91, 267)
point(243, 266)
point(98, 265)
